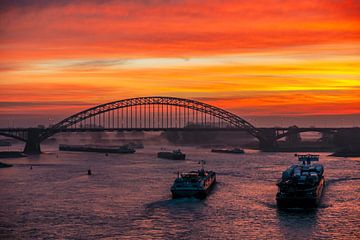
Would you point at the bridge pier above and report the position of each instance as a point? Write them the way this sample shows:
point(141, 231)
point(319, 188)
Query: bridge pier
point(269, 143)
point(268, 146)
point(32, 145)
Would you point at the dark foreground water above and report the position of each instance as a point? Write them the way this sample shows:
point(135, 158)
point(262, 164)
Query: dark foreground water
point(128, 197)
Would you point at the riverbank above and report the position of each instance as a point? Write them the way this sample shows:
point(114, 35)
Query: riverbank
point(347, 152)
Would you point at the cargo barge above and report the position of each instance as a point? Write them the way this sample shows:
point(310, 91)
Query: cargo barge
point(12, 154)
point(174, 155)
point(94, 148)
point(225, 150)
point(301, 185)
point(194, 184)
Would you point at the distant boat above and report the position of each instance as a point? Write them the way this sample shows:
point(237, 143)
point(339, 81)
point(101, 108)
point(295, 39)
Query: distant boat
point(174, 155)
point(11, 154)
point(225, 150)
point(301, 185)
point(5, 165)
point(94, 148)
point(193, 184)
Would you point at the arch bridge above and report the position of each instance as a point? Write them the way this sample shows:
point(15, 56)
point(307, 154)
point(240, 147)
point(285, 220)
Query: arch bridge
point(140, 114)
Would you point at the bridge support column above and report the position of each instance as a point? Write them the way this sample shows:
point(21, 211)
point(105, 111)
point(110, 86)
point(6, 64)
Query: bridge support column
point(32, 145)
point(268, 146)
point(269, 143)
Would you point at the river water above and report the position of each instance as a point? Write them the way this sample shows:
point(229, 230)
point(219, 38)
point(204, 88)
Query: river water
point(128, 197)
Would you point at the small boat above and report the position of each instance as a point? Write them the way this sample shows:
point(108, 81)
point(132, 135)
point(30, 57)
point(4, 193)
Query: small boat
point(301, 185)
point(94, 148)
point(193, 184)
point(174, 155)
point(225, 150)
point(5, 165)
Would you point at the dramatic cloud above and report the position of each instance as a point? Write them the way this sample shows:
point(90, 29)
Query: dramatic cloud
point(167, 28)
point(255, 57)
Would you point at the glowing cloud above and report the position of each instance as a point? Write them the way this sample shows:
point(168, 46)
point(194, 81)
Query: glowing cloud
point(253, 57)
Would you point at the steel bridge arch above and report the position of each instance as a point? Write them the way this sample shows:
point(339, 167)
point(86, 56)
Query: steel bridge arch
point(233, 120)
point(10, 135)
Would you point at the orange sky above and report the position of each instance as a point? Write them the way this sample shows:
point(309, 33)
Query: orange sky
point(255, 58)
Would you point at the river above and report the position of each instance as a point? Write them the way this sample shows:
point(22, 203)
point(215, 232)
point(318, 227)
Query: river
point(128, 197)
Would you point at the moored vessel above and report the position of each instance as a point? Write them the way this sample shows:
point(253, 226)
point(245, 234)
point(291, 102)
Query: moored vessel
point(194, 184)
point(226, 150)
point(301, 185)
point(174, 155)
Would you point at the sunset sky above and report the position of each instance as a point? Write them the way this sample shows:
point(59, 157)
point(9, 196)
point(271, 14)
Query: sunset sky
point(255, 58)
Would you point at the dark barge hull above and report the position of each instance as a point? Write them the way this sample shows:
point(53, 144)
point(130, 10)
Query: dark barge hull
point(302, 202)
point(12, 154)
point(227, 151)
point(98, 150)
point(171, 156)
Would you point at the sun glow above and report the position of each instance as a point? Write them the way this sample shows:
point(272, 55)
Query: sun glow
point(251, 58)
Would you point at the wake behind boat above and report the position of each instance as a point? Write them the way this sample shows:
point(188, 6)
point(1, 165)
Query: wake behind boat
point(194, 184)
point(301, 185)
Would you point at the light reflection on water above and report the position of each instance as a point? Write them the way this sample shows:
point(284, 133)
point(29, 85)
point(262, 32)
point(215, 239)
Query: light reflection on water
point(128, 197)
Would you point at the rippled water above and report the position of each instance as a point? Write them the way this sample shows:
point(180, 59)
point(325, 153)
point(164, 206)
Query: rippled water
point(128, 197)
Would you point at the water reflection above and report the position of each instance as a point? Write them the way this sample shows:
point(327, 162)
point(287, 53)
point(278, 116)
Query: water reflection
point(157, 216)
point(297, 223)
point(128, 197)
